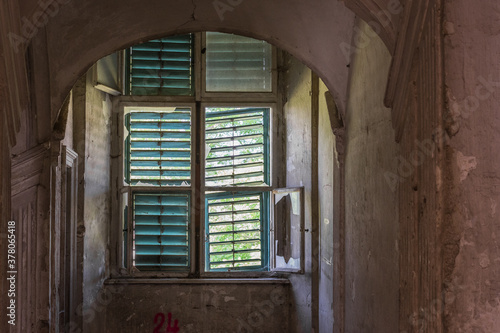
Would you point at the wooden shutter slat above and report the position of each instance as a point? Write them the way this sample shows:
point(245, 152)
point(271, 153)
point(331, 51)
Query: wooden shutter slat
point(162, 67)
point(158, 243)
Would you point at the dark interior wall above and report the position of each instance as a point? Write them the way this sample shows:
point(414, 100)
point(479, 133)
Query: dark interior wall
point(5, 213)
point(201, 306)
point(92, 142)
point(472, 245)
point(327, 166)
point(371, 206)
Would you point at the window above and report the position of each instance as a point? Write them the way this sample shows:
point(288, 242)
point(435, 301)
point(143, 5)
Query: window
point(236, 63)
point(194, 149)
point(161, 67)
point(237, 146)
point(237, 154)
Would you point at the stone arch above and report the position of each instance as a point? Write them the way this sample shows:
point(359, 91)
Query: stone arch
point(381, 15)
point(80, 33)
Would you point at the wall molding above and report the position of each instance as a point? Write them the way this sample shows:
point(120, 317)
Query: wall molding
point(13, 73)
point(27, 168)
point(372, 11)
point(412, 23)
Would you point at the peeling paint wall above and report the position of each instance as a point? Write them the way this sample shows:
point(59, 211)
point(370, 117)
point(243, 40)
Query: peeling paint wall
point(299, 146)
point(298, 150)
point(200, 308)
point(92, 141)
point(472, 78)
point(326, 170)
point(372, 280)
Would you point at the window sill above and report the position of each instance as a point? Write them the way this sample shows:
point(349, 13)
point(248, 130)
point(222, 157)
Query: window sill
point(128, 281)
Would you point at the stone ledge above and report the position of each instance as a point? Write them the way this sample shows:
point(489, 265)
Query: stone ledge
point(197, 281)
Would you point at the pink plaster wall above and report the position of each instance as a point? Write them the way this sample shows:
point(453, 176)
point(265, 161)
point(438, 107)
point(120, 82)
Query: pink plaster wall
point(472, 77)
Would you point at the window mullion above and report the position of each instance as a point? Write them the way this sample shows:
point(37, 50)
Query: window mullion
point(198, 193)
point(130, 230)
point(199, 79)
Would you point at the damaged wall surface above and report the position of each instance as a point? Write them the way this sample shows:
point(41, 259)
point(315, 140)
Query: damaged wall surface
point(472, 271)
point(92, 130)
point(371, 220)
point(196, 307)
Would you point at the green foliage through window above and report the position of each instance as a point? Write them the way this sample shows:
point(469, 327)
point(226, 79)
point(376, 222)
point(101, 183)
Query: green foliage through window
point(237, 146)
point(236, 231)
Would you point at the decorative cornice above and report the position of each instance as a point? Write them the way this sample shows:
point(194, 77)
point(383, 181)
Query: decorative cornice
point(410, 31)
point(27, 168)
point(374, 14)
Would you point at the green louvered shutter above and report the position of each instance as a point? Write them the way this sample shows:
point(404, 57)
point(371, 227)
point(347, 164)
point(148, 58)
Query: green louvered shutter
point(161, 229)
point(237, 229)
point(162, 67)
point(158, 147)
point(237, 146)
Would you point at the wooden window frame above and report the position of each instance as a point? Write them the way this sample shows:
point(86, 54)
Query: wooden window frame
point(197, 188)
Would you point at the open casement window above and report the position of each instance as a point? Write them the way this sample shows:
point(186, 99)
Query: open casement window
point(237, 150)
point(287, 230)
point(157, 151)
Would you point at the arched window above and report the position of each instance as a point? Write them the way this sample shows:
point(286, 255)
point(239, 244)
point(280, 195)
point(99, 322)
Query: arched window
point(194, 155)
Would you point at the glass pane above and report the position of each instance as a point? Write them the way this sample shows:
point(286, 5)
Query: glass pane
point(237, 64)
point(287, 237)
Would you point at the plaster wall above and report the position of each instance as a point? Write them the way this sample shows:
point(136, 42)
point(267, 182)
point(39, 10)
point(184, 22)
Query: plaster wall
point(92, 142)
point(198, 307)
point(298, 166)
point(371, 235)
point(327, 167)
point(472, 78)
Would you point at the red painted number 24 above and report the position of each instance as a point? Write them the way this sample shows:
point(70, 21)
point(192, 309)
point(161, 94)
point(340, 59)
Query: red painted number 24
point(160, 320)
